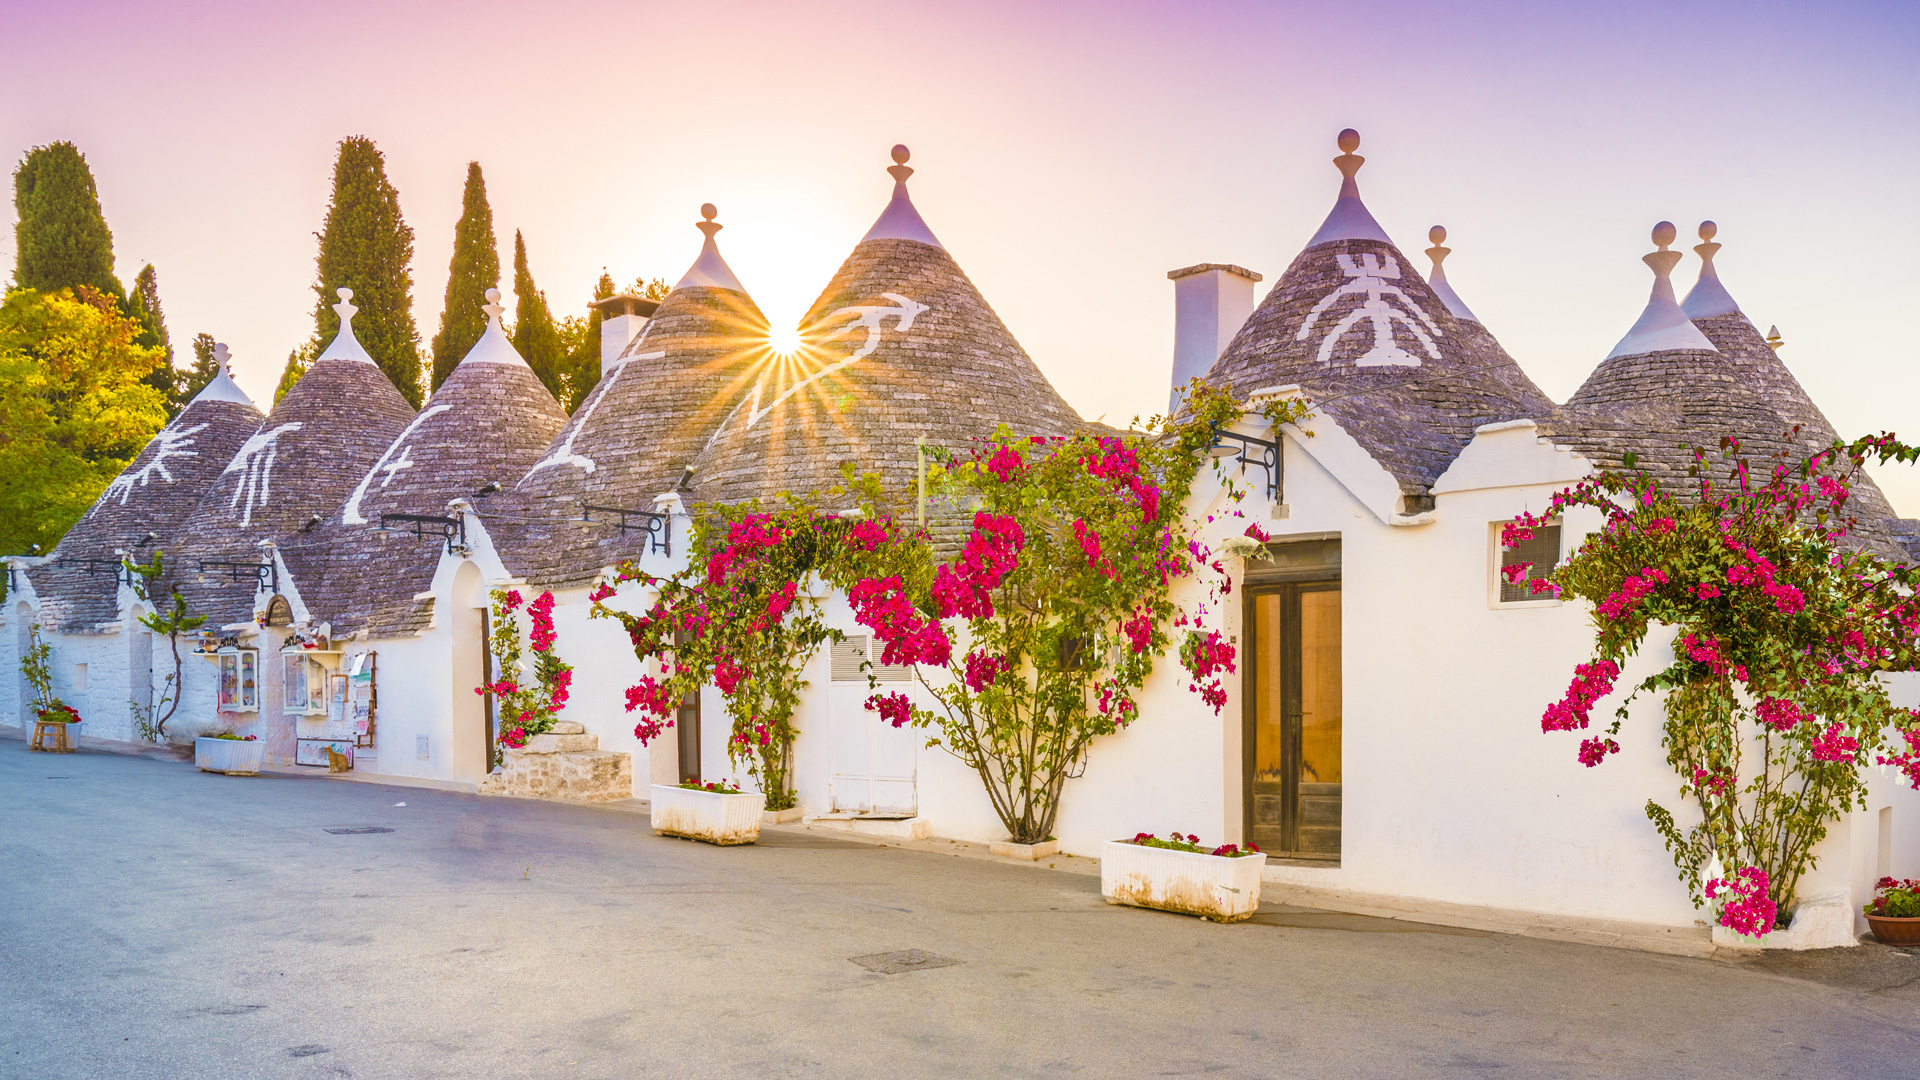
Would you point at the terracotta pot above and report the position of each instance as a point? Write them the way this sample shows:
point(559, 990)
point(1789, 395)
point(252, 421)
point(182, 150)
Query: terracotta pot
point(1891, 931)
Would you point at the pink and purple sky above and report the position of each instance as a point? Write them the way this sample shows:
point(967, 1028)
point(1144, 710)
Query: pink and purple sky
point(1069, 155)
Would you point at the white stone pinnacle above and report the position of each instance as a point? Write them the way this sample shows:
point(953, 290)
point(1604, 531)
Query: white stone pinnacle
point(1662, 326)
point(345, 346)
point(1708, 297)
point(900, 221)
point(1438, 278)
point(1349, 219)
point(709, 269)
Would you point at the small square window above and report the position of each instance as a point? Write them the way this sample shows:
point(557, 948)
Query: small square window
point(1543, 552)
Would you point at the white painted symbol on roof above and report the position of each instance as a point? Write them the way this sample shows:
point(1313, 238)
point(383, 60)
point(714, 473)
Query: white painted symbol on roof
point(170, 443)
point(350, 514)
point(563, 454)
point(1370, 279)
point(868, 317)
point(254, 463)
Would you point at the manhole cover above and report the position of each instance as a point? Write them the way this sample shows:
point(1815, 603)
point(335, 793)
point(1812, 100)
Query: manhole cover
point(355, 830)
point(893, 963)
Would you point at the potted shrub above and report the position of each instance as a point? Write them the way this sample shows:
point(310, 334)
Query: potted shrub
point(225, 752)
point(1178, 874)
point(1894, 913)
point(718, 812)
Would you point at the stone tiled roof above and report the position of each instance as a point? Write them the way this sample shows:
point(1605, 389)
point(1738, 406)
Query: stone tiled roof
point(899, 345)
point(486, 424)
point(1657, 405)
point(154, 494)
point(634, 436)
point(1354, 324)
point(305, 458)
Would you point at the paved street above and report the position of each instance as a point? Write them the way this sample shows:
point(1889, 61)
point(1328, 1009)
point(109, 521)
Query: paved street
point(160, 922)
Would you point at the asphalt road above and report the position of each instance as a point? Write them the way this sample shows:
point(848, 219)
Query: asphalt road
point(160, 922)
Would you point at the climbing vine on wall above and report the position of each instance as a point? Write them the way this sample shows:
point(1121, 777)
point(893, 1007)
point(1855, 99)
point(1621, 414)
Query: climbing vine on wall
point(523, 709)
point(1782, 623)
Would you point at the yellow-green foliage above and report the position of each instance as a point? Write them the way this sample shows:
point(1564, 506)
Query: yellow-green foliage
point(74, 409)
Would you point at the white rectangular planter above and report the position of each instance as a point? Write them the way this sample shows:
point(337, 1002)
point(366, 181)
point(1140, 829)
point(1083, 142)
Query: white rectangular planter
point(707, 815)
point(1210, 886)
point(235, 757)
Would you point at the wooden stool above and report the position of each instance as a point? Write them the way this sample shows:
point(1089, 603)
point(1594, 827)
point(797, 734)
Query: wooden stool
point(56, 728)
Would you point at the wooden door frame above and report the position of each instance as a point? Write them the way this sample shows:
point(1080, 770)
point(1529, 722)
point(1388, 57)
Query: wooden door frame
point(1289, 584)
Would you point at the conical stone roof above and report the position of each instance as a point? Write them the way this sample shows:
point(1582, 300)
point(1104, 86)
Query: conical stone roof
point(300, 464)
point(486, 424)
point(641, 427)
point(154, 495)
point(1353, 324)
point(1658, 402)
point(899, 345)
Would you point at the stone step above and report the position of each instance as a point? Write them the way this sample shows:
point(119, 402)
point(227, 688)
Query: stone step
point(568, 727)
point(556, 743)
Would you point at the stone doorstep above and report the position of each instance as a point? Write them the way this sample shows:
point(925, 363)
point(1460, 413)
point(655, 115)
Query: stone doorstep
point(1009, 849)
point(913, 828)
point(568, 727)
point(781, 817)
point(557, 743)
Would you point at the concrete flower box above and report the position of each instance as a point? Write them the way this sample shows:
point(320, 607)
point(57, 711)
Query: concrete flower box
point(1211, 886)
point(235, 757)
point(707, 815)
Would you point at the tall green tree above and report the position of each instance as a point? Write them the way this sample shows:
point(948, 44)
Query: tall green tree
point(61, 239)
point(75, 408)
point(534, 335)
point(475, 269)
point(298, 361)
point(189, 381)
point(366, 246)
point(143, 307)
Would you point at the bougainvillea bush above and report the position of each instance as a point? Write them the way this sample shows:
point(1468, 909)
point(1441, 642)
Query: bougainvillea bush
point(1035, 638)
point(746, 617)
point(1781, 626)
point(1031, 626)
point(524, 710)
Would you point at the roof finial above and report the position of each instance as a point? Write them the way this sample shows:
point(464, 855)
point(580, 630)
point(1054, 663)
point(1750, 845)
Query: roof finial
point(709, 226)
point(1662, 326)
point(1349, 219)
point(494, 310)
point(1437, 280)
point(900, 221)
point(1774, 340)
point(1663, 261)
point(1708, 297)
point(1348, 162)
point(220, 358)
point(345, 308)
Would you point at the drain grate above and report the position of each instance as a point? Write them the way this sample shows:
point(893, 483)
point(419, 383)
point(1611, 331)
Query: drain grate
point(893, 963)
point(356, 830)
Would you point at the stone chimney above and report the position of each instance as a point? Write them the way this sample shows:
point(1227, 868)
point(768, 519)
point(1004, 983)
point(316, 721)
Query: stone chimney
point(1210, 301)
point(622, 317)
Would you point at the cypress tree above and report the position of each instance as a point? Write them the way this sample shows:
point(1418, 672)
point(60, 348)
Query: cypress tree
point(475, 269)
point(143, 307)
point(61, 239)
point(534, 335)
point(190, 381)
point(366, 246)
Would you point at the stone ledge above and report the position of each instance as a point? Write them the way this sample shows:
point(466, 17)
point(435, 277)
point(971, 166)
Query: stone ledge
point(913, 828)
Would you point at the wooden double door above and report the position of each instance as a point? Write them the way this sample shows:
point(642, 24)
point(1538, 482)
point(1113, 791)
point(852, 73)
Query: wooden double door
point(1293, 719)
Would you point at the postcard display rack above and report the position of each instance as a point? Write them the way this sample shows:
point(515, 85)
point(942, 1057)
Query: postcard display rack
point(316, 697)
